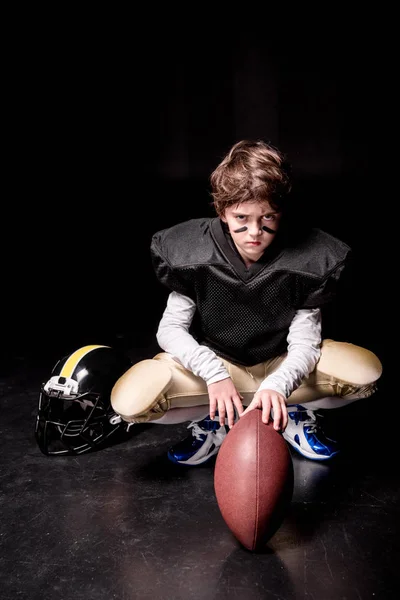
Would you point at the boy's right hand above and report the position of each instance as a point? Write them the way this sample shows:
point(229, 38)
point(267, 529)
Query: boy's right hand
point(224, 397)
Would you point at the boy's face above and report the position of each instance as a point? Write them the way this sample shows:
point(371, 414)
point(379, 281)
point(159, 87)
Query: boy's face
point(253, 226)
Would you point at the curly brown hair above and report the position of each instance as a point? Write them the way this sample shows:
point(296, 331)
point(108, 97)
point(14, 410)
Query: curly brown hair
point(252, 171)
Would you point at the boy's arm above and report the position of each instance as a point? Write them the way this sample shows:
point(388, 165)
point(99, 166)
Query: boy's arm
point(173, 337)
point(304, 350)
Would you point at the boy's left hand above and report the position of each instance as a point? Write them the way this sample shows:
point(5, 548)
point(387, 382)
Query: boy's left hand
point(267, 400)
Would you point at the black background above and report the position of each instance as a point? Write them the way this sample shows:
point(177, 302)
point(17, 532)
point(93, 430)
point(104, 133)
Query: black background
point(116, 122)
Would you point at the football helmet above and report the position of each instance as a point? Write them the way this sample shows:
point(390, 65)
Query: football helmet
point(74, 414)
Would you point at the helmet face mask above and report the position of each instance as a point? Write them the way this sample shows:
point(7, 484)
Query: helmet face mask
point(74, 413)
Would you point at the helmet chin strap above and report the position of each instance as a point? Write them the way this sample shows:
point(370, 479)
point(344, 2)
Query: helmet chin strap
point(264, 227)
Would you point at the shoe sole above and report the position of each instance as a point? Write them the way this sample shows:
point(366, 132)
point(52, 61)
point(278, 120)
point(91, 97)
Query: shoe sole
point(201, 461)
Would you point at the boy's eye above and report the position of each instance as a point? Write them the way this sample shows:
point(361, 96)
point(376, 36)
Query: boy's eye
point(240, 217)
point(270, 217)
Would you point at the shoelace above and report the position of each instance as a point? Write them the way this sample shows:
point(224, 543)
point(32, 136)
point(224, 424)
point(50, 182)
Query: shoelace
point(312, 423)
point(196, 430)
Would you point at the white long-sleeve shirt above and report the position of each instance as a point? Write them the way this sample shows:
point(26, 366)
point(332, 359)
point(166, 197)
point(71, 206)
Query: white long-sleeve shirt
point(304, 342)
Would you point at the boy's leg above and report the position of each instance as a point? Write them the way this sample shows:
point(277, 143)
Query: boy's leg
point(344, 373)
point(206, 436)
point(149, 389)
point(153, 387)
point(162, 391)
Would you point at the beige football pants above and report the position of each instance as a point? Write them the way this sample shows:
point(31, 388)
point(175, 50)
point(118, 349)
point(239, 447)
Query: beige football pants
point(344, 373)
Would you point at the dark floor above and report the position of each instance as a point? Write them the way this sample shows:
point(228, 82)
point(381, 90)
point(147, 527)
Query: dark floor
point(125, 523)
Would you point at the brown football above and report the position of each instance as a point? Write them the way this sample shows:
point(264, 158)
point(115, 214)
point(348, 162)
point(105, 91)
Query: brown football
point(253, 480)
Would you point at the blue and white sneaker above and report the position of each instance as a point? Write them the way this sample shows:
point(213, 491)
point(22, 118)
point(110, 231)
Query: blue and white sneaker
point(304, 434)
point(202, 444)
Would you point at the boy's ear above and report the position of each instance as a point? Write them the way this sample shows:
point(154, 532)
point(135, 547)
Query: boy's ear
point(222, 217)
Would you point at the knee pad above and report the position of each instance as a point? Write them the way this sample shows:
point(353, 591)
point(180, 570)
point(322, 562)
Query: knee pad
point(138, 396)
point(349, 362)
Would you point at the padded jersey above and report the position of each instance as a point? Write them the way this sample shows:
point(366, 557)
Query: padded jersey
point(244, 314)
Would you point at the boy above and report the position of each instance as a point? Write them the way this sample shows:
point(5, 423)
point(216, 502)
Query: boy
point(242, 325)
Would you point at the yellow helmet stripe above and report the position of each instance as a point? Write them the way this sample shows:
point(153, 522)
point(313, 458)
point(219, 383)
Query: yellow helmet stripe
point(73, 360)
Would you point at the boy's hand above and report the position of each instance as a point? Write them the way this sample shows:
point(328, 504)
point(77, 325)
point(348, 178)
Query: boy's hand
point(224, 397)
point(267, 400)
